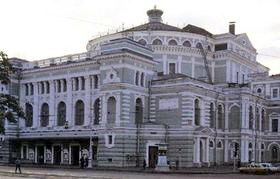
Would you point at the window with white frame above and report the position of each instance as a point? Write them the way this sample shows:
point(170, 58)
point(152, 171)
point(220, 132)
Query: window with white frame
point(275, 92)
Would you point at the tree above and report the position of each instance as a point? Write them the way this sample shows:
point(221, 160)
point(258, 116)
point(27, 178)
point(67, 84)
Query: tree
point(9, 106)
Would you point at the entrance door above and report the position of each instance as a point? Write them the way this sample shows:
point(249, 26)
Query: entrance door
point(40, 154)
point(57, 155)
point(153, 156)
point(75, 151)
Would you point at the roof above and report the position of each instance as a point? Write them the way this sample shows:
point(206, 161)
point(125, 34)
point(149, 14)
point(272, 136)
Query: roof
point(154, 26)
point(197, 30)
point(275, 76)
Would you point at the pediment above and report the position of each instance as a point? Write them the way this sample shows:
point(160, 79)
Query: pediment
point(204, 130)
point(244, 40)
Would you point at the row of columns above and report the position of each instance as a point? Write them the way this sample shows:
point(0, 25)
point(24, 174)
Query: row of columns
point(200, 157)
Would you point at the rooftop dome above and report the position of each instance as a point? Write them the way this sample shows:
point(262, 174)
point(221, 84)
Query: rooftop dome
point(155, 15)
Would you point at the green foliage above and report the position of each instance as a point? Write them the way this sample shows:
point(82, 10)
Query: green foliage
point(9, 107)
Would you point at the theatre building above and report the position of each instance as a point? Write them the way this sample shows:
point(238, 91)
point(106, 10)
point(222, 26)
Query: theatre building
point(202, 98)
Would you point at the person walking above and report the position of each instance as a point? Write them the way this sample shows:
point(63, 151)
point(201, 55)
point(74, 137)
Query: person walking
point(82, 162)
point(86, 162)
point(18, 166)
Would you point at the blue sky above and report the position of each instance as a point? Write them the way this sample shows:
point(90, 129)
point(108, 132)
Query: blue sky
point(38, 29)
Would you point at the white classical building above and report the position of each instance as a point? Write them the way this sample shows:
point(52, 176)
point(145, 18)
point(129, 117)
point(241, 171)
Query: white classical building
point(155, 89)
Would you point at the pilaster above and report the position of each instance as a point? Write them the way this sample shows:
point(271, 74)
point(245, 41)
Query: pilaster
point(69, 105)
point(36, 106)
point(52, 105)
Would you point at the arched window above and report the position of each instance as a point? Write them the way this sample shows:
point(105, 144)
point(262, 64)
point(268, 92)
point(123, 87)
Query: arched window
point(234, 118)
point(79, 113)
point(196, 112)
point(187, 44)
point(83, 83)
point(26, 89)
point(58, 86)
point(257, 119)
point(209, 48)
point(61, 114)
point(199, 45)
point(274, 125)
point(220, 117)
point(251, 117)
point(45, 115)
point(211, 144)
point(250, 145)
point(137, 78)
point(263, 120)
point(142, 79)
point(111, 110)
point(138, 111)
point(97, 111)
point(219, 145)
point(76, 83)
point(64, 85)
point(29, 115)
point(95, 78)
point(42, 88)
point(259, 90)
point(274, 153)
point(172, 42)
point(48, 87)
point(142, 42)
point(212, 120)
point(157, 42)
point(31, 89)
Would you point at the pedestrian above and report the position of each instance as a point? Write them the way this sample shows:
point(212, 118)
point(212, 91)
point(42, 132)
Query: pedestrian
point(18, 166)
point(82, 162)
point(86, 162)
point(144, 164)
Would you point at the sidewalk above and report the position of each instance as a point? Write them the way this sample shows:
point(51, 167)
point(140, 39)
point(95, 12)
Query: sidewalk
point(203, 170)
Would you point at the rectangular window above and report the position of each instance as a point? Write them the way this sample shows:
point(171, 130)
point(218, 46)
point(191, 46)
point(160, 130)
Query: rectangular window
point(237, 77)
point(274, 125)
point(219, 47)
point(172, 68)
point(110, 139)
point(243, 78)
point(275, 93)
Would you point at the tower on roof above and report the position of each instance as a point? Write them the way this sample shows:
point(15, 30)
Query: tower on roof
point(155, 15)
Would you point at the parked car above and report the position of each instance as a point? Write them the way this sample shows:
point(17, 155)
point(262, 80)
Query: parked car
point(254, 168)
point(271, 168)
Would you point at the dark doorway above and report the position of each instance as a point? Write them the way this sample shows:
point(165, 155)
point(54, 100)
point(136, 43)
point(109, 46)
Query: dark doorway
point(75, 157)
point(153, 156)
point(57, 155)
point(40, 154)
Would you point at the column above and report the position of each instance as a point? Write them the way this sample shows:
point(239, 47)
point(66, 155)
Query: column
point(226, 114)
point(88, 105)
point(69, 105)
point(36, 107)
point(196, 153)
point(164, 65)
point(193, 61)
point(179, 64)
point(52, 116)
point(243, 115)
point(243, 151)
point(207, 150)
point(80, 83)
point(104, 111)
point(226, 150)
point(45, 87)
point(118, 110)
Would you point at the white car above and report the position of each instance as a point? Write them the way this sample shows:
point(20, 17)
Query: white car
point(270, 167)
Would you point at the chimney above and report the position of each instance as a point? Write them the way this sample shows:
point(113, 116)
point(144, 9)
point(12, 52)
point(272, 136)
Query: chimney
point(232, 28)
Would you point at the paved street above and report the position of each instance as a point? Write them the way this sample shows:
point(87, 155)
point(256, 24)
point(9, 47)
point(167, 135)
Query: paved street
point(53, 173)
